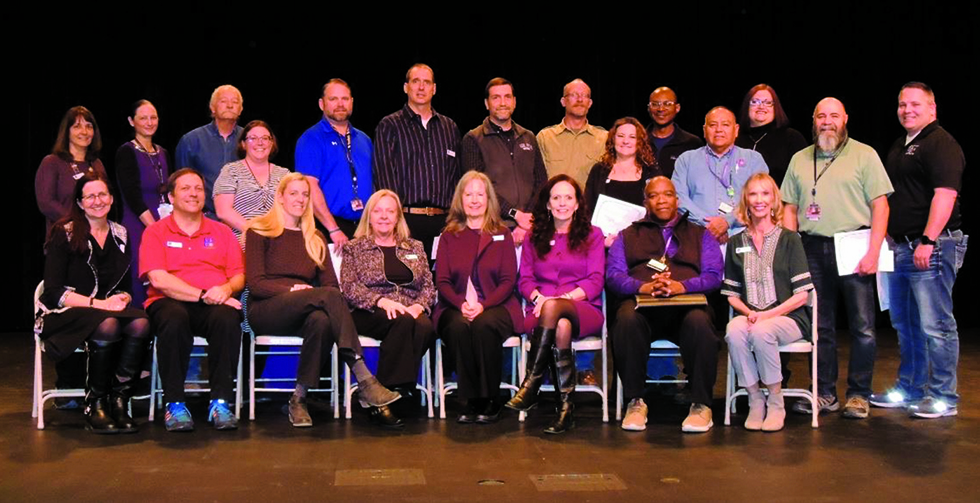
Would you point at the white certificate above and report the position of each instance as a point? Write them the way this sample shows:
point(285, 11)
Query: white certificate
point(613, 215)
point(852, 246)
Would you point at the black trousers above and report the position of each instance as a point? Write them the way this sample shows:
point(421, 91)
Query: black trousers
point(176, 323)
point(424, 228)
point(403, 342)
point(691, 328)
point(477, 349)
point(319, 315)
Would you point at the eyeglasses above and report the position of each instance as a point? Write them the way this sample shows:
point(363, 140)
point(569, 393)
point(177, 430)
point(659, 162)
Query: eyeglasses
point(761, 103)
point(257, 139)
point(662, 104)
point(579, 96)
point(89, 199)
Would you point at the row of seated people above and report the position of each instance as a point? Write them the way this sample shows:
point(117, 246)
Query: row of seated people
point(195, 265)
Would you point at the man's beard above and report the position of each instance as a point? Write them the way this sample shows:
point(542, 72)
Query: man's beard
point(829, 141)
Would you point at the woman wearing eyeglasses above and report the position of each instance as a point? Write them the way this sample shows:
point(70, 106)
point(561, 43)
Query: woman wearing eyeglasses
point(86, 275)
point(764, 127)
point(246, 188)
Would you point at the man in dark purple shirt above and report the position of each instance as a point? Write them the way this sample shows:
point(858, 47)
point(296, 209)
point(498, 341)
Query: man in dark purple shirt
point(664, 255)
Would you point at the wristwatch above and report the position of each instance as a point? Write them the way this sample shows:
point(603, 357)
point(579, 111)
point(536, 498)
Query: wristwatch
point(201, 297)
point(512, 213)
point(926, 241)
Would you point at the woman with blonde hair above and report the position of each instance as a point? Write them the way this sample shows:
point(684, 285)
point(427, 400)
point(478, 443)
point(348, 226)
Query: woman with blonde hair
point(766, 281)
point(293, 289)
point(476, 270)
point(386, 279)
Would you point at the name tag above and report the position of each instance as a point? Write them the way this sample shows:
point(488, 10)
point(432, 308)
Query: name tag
point(499, 237)
point(657, 265)
point(411, 256)
point(175, 244)
point(725, 208)
point(450, 153)
point(743, 249)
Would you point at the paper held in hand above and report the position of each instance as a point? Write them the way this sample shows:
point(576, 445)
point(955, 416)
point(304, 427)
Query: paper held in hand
point(852, 246)
point(613, 215)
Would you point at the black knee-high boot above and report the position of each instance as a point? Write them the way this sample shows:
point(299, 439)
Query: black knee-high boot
point(564, 375)
point(542, 340)
point(100, 367)
point(130, 362)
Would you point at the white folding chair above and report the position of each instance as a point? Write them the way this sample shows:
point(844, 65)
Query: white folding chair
point(367, 342)
point(732, 391)
point(516, 372)
point(658, 349)
point(42, 395)
point(593, 343)
point(291, 342)
point(156, 383)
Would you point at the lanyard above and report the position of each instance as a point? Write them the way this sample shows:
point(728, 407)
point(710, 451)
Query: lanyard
point(157, 167)
point(350, 158)
point(833, 158)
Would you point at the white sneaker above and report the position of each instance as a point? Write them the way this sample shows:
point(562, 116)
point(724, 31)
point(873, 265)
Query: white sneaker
point(698, 420)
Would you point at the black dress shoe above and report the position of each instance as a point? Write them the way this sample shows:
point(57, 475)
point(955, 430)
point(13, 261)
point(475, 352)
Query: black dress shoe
point(490, 413)
point(384, 417)
point(469, 414)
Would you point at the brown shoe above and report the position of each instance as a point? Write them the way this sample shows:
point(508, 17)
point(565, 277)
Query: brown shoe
point(587, 378)
point(299, 415)
point(698, 419)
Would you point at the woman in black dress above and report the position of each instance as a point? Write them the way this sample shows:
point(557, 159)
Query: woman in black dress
point(85, 299)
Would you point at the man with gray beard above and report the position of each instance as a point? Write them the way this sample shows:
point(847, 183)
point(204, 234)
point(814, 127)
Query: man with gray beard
point(839, 185)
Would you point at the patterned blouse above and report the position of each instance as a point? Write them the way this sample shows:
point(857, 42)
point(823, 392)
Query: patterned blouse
point(251, 199)
point(767, 278)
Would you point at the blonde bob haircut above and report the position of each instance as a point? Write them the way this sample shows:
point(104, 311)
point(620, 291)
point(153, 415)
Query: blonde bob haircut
point(742, 212)
point(364, 226)
point(272, 223)
point(456, 220)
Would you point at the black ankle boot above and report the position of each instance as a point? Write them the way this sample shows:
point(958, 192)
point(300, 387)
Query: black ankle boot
point(564, 375)
point(130, 360)
point(98, 417)
point(542, 340)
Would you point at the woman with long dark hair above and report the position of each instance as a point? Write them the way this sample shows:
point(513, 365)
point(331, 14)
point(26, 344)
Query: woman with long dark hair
point(85, 300)
point(561, 277)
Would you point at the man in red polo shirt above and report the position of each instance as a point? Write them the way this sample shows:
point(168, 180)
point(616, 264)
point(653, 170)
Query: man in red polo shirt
point(194, 266)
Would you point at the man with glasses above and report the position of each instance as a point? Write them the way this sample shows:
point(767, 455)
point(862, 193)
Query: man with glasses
point(667, 139)
point(573, 146)
point(839, 185)
point(208, 148)
point(337, 156)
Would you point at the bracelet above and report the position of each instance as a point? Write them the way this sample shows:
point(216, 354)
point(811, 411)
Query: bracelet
point(331, 231)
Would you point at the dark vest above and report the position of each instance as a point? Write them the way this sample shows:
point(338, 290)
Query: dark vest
point(644, 240)
point(509, 167)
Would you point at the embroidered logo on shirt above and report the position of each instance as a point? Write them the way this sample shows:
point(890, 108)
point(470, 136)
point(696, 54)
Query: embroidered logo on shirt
point(525, 146)
point(911, 149)
point(209, 242)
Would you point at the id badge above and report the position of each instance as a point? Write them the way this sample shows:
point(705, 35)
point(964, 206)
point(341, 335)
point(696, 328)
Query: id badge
point(725, 208)
point(657, 265)
point(813, 212)
point(356, 204)
point(165, 209)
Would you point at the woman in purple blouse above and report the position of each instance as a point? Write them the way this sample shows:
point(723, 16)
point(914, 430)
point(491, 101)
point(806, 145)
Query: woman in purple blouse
point(561, 277)
point(141, 172)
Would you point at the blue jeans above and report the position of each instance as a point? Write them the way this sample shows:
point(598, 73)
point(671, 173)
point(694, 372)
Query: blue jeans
point(921, 306)
point(858, 293)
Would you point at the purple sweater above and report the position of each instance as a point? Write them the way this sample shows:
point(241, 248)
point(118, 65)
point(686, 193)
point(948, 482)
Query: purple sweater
point(561, 270)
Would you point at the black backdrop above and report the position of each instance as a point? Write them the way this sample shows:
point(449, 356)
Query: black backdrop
point(279, 56)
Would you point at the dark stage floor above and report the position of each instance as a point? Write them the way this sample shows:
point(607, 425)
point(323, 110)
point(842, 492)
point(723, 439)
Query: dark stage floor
point(888, 457)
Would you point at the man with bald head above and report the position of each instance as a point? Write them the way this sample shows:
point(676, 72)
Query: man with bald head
point(709, 180)
point(667, 139)
point(573, 146)
point(664, 254)
point(839, 185)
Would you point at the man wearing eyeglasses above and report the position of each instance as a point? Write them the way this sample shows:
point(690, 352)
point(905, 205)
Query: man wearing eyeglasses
point(573, 145)
point(337, 156)
point(667, 139)
point(208, 148)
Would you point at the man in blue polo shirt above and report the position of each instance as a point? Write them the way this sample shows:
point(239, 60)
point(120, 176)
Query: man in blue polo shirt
point(338, 157)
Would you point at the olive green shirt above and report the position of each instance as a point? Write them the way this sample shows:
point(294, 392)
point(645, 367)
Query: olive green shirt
point(570, 152)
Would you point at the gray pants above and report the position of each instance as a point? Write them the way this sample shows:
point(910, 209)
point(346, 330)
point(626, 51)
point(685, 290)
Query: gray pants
point(762, 338)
